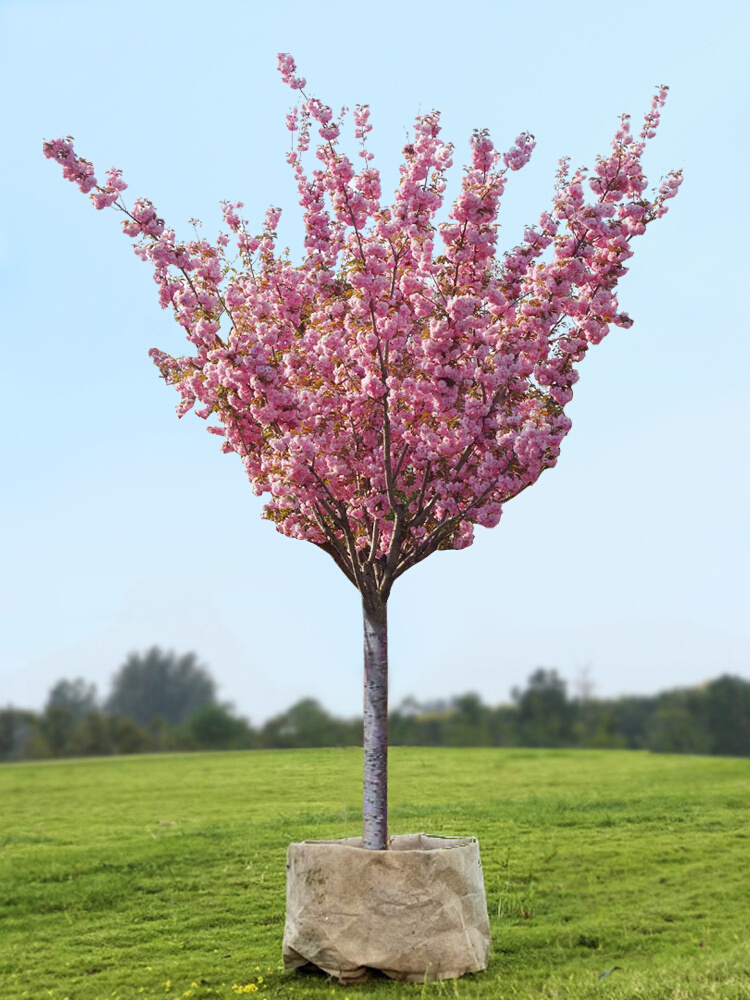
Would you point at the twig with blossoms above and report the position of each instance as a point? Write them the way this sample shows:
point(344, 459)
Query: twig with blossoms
point(389, 394)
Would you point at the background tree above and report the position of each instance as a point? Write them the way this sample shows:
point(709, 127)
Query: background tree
point(213, 727)
point(712, 718)
point(128, 737)
point(68, 702)
point(388, 394)
point(470, 721)
point(673, 728)
point(157, 683)
point(308, 724)
point(545, 716)
point(725, 713)
point(17, 728)
point(78, 695)
point(503, 726)
point(57, 725)
point(94, 736)
point(629, 717)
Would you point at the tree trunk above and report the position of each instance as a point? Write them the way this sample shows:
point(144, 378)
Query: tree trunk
point(375, 806)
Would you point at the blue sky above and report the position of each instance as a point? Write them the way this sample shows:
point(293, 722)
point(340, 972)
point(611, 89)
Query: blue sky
point(125, 527)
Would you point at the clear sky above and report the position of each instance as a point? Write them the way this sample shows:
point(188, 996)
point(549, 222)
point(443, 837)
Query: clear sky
point(124, 527)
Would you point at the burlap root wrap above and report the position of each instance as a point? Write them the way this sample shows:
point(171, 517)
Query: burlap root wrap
point(416, 912)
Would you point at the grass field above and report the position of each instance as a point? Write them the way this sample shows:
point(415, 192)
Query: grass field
point(163, 877)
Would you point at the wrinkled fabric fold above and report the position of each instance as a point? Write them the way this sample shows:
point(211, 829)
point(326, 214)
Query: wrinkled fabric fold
point(416, 912)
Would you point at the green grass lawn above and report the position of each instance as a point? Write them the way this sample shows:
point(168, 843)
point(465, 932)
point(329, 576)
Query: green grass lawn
point(163, 877)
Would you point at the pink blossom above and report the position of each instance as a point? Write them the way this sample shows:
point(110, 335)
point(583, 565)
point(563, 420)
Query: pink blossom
point(287, 67)
point(394, 389)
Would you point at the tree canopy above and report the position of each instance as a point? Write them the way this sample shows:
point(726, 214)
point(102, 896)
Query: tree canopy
point(156, 683)
point(404, 381)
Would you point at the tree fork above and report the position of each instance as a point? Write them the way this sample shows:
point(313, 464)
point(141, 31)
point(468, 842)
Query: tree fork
point(375, 799)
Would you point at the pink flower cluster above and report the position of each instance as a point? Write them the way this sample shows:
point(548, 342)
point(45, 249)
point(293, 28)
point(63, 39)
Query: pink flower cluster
point(75, 169)
point(390, 392)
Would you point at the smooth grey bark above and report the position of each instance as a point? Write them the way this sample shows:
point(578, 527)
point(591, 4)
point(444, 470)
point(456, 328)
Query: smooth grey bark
point(375, 804)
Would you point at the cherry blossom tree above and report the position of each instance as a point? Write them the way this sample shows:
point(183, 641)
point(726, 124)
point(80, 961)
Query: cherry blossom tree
point(404, 381)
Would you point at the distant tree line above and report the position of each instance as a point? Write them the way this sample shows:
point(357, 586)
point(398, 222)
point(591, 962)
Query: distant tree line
point(161, 702)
